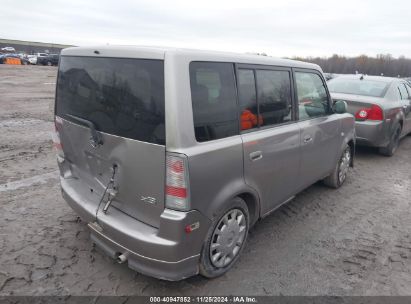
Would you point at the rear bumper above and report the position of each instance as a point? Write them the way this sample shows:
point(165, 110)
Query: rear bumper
point(167, 252)
point(172, 271)
point(371, 133)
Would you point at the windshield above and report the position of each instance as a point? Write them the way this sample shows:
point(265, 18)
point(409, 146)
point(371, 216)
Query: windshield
point(357, 86)
point(123, 97)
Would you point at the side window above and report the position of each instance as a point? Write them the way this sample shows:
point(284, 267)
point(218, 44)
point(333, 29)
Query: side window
point(403, 91)
point(312, 95)
point(247, 100)
point(274, 96)
point(214, 100)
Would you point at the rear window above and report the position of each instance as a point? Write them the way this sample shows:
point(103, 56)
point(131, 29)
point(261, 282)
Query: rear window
point(122, 97)
point(213, 96)
point(358, 87)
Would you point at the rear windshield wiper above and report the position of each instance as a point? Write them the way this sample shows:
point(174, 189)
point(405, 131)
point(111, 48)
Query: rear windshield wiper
point(95, 137)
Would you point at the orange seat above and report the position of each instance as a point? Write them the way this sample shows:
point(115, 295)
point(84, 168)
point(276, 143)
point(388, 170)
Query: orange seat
point(249, 120)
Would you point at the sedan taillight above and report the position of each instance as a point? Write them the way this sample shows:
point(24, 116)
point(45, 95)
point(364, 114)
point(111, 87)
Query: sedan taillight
point(372, 113)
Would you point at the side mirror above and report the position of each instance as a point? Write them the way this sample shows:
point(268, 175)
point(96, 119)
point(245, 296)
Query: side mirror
point(340, 107)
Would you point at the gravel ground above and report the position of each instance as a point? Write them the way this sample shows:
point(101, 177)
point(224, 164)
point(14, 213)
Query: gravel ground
point(352, 241)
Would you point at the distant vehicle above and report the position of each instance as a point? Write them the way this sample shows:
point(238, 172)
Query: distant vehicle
point(41, 54)
point(52, 59)
point(32, 59)
point(381, 106)
point(24, 59)
point(8, 49)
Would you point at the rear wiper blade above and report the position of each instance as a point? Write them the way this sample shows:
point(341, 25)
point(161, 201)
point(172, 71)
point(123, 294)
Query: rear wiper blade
point(95, 137)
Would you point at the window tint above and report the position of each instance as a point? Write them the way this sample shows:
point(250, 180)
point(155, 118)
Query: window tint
point(274, 96)
point(247, 99)
point(403, 91)
point(312, 95)
point(123, 97)
point(214, 100)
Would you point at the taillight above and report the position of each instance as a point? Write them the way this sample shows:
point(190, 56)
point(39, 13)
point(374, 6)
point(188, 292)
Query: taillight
point(176, 189)
point(56, 137)
point(372, 113)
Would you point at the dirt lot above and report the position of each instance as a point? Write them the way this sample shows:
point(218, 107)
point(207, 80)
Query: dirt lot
point(351, 241)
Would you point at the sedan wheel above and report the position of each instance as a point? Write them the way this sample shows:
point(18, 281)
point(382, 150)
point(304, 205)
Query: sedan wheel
point(394, 142)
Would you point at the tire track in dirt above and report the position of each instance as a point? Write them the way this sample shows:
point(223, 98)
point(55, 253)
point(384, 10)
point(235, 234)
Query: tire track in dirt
point(27, 182)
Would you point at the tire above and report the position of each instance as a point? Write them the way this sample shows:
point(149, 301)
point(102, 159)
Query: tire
point(49, 63)
point(392, 146)
point(339, 174)
point(229, 243)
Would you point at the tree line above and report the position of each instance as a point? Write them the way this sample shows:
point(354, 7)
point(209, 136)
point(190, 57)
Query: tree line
point(383, 64)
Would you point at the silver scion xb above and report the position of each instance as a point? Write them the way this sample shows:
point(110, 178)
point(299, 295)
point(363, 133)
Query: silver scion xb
point(381, 105)
point(171, 155)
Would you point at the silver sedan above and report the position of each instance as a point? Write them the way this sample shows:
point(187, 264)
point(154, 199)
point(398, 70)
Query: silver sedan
point(381, 106)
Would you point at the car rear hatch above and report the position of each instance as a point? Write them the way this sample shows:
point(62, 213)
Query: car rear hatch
point(111, 123)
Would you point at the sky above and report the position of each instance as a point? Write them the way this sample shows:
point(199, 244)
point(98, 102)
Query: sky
point(282, 28)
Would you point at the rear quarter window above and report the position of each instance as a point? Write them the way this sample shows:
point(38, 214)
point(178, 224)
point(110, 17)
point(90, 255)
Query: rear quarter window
point(213, 96)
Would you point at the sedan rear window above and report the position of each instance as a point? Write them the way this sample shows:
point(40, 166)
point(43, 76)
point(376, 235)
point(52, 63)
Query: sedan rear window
point(364, 87)
point(122, 97)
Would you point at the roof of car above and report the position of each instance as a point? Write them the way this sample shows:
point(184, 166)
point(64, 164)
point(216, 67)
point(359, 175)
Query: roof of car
point(160, 52)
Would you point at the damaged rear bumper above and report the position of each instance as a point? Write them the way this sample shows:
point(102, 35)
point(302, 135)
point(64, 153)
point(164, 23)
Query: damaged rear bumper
point(166, 252)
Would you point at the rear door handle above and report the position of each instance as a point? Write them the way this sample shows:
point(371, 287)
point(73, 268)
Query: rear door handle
point(256, 155)
point(307, 139)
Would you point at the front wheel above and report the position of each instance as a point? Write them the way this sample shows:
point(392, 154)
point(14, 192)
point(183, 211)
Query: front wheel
point(339, 174)
point(225, 240)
